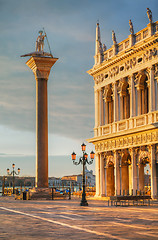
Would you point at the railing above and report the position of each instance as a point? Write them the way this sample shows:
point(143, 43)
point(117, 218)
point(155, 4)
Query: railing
point(127, 124)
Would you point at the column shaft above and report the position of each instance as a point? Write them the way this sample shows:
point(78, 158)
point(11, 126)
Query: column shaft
point(102, 177)
point(41, 133)
point(117, 174)
point(153, 173)
point(97, 174)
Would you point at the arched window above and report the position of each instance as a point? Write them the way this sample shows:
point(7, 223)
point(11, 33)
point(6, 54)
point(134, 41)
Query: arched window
point(144, 95)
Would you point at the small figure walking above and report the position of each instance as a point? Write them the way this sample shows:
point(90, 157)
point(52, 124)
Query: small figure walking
point(40, 42)
point(149, 14)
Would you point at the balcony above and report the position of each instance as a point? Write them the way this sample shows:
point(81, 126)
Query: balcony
point(134, 123)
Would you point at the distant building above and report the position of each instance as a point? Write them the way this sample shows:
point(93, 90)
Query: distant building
point(53, 181)
point(77, 179)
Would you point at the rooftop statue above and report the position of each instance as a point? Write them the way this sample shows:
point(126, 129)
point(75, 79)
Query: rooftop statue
point(149, 14)
point(40, 42)
point(131, 27)
point(114, 37)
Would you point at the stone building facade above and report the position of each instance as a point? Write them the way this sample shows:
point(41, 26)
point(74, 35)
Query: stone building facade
point(126, 112)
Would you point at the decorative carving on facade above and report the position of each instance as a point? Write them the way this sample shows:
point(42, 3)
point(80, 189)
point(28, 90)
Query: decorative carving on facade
point(144, 157)
point(129, 141)
point(110, 160)
point(129, 64)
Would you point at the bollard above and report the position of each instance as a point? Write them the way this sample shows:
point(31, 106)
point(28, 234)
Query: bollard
point(24, 196)
point(69, 193)
point(52, 193)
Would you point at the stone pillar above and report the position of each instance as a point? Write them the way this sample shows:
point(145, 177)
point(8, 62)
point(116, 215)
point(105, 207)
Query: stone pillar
point(97, 174)
point(132, 97)
point(139, 103)
point(102, 177)
point(96, 96)
point(101, 108)
point(41, 67)
point(151, 90)
point(115, 99)
point(125, 178)
point(133, 179)
point(131, 40)
point(121, 107)
point(150, 29)
point(117, 173)
point(153, 172)
point(141, 177)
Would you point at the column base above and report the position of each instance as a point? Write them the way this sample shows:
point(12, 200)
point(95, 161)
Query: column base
point(40, 193)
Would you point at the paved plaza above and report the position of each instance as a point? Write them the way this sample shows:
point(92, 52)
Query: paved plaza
point(65, 219)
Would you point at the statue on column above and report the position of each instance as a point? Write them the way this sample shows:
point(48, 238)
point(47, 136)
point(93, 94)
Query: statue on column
point(40, 41)
point(114, 37)
point(131, 27)
point(149, 14)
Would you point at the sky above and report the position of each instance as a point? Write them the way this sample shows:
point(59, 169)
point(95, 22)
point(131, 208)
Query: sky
point(70, 27)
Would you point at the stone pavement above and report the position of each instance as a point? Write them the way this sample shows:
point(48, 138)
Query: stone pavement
point(65, 219)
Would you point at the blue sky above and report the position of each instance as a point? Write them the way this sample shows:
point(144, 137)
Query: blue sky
point(70, 27)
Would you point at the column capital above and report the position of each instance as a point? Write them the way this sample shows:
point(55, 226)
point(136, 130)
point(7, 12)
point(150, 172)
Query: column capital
point(41, 66)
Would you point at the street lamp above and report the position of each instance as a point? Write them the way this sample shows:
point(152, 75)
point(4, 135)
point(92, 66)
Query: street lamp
point(13, 173)
point(83, 160)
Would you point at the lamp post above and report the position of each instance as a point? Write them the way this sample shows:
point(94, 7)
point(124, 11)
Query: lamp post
point(83, 160)
point(13, 173)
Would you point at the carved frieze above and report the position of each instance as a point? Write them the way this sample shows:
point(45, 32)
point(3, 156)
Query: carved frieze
point(127, 65)
point(127, 142)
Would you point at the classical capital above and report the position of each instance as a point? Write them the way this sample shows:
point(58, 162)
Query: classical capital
point(41, 66)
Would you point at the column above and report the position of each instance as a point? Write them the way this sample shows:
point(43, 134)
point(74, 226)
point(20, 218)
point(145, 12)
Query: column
point(139, 102)
point(153, 172)
point(121, 107)
point(101, 108)
point(133, 179)
point(132, 97)
point(117, 174)
point(102, 177)
point(157, 93)
point(115, 99)
point(97, 174)
point(151, 90)
point(41, 67)
point(96, 96)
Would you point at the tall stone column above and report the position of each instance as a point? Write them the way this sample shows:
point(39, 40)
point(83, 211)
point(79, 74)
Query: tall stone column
point(151, 89)
point(41, 67)
point(132, 96)
point(117, 173)
point(153, 172)
point(97, 174)
point(96, 95)
point(133, 179)
point(102, 177)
